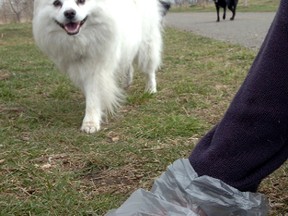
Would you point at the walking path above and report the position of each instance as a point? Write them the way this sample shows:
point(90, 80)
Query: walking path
point(248, 29)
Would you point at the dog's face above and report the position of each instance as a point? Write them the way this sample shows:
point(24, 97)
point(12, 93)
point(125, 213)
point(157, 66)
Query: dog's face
point(70, 15)
point(67, 15)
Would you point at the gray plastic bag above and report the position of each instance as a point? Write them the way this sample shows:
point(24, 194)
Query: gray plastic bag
point(179, 191)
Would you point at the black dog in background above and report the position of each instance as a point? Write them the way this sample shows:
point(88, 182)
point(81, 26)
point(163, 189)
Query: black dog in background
point(166, 7)
point(231, 4)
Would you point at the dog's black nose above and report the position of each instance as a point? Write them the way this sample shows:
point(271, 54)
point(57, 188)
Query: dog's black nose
point(70, 14)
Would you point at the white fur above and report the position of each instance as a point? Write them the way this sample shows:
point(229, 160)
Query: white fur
point(116, 33)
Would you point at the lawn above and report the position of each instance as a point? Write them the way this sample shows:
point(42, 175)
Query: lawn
point(49, 167)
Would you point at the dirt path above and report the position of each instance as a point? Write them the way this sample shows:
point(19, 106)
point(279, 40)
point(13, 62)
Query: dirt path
point(248, 29)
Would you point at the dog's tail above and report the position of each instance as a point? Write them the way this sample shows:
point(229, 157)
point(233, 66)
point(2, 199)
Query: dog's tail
point(165, 6)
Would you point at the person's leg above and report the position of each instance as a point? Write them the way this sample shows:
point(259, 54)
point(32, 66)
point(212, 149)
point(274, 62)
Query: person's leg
point(250, 141)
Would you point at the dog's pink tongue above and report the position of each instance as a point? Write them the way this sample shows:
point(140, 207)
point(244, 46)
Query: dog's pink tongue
point(72, 28)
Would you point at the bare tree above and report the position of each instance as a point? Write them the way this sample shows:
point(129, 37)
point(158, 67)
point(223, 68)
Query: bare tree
point(190, 2)
point(245, 3)
point(16, 10)
point(202, 2)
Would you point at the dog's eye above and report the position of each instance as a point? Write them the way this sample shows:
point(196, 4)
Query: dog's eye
point(57, 3)
point(80, 1)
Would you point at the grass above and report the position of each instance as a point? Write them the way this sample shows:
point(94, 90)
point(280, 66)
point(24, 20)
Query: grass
point(253, 5)
point(48, 167)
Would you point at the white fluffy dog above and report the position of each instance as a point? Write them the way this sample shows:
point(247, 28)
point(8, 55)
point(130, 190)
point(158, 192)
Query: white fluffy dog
point(96, 41)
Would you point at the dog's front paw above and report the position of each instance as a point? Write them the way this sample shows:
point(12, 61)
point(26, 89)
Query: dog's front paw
point(90, 127)
point(151, 87)
point(150, 90)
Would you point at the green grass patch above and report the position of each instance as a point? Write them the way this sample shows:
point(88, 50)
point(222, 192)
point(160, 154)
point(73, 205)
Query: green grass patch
point(48, 167)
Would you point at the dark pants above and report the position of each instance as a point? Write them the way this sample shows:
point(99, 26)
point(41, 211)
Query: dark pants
point(250, 142)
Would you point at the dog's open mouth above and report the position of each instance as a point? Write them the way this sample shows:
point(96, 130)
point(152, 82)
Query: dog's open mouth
point(72, 28)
